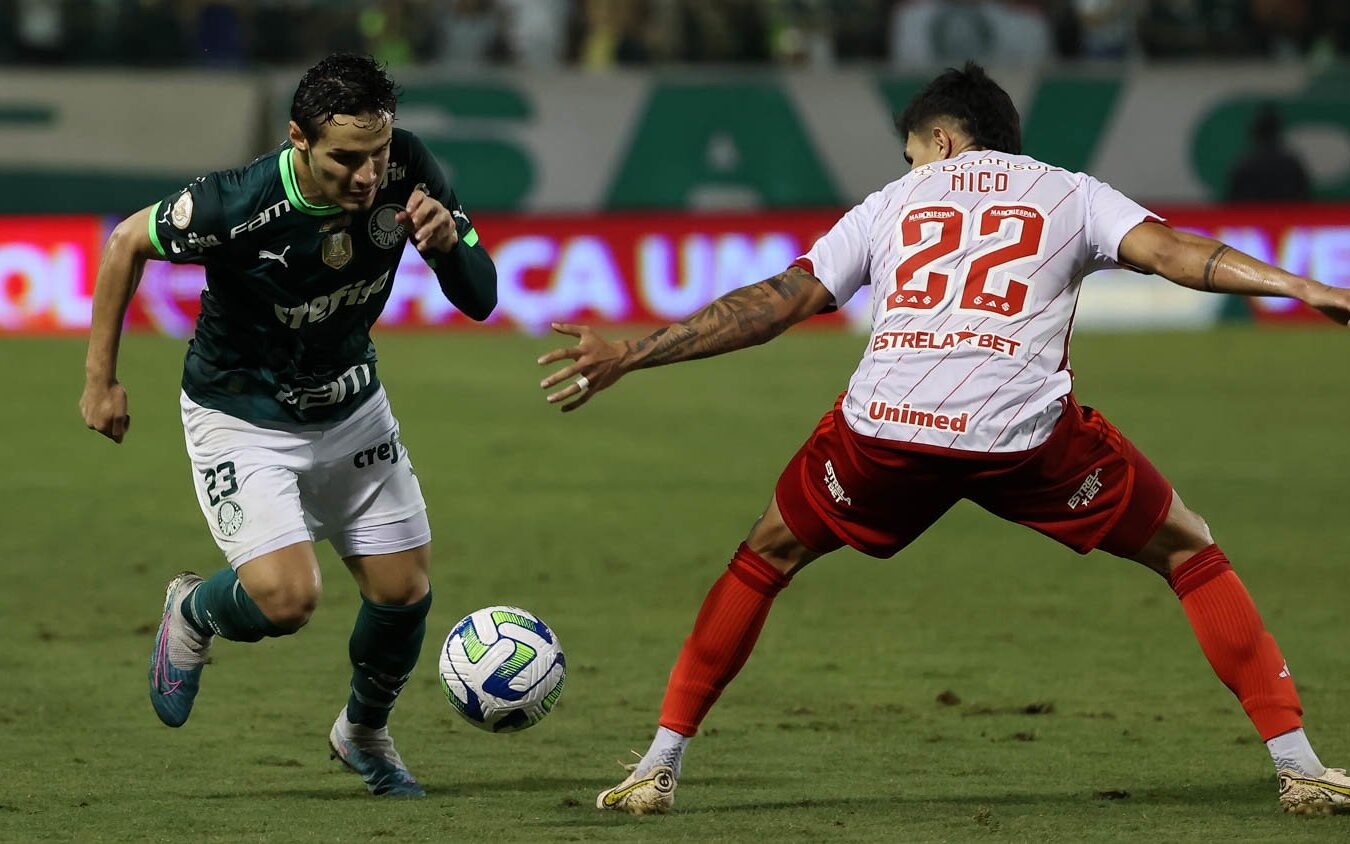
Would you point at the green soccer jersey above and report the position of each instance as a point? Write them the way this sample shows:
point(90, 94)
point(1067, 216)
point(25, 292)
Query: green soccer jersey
point(292, 288)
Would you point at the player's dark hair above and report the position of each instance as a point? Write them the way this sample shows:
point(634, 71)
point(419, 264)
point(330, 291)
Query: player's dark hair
point(976, 103)
point(343, 83)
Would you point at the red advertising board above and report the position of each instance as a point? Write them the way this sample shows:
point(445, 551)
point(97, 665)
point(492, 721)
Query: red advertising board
point(631, 268)
point(602, 269)
point(47, 267)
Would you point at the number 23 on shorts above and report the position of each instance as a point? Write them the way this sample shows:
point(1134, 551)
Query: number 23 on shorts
point(220, 482)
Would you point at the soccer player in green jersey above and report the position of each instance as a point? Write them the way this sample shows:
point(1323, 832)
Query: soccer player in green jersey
point(288, 429)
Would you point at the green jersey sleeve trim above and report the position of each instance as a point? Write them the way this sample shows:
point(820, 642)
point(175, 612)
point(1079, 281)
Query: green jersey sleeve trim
point(154, 235)
point(298, 201)
point(471, 239)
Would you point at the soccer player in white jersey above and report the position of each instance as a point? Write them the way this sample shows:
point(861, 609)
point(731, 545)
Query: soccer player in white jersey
point(973, 262)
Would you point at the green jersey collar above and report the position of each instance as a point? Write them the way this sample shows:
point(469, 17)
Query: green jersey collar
point(288, 181)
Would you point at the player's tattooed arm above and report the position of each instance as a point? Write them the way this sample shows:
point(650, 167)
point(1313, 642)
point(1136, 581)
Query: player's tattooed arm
point(1202, 263)
point(744, 317)
point(1208, 278)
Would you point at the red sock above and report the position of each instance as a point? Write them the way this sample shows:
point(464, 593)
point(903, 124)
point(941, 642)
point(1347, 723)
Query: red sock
point(723, 636)
point(1236, 642)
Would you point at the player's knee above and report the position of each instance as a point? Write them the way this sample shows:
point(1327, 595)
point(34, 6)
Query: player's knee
point(1190, 535)
point(290, 607)
point(1202, 536)
point(776, 545)
point(402, 592)
point(1182, 536)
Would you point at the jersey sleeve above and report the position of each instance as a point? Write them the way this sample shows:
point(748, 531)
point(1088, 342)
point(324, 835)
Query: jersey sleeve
point(466, 274)
point(1110, 216)
point(187, 225)
point(423, 169)
point(842, 258)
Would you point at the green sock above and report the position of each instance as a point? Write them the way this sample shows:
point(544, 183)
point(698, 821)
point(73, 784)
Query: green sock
point(384, 647)
point(221, 606)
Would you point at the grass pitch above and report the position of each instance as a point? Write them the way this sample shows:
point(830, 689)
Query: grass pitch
point(986, 683)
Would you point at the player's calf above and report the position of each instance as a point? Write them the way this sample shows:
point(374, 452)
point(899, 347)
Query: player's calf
point(1244, 655)
point(725, 632)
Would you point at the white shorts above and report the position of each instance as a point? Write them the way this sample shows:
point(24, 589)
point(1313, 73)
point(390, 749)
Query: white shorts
point(263, 488)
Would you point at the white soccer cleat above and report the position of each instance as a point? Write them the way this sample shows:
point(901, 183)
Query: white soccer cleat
point(1324, 795)
point(370, 752)
point(650, 793)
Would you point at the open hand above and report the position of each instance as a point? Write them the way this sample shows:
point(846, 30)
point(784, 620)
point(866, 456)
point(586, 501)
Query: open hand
point(599, 363)
point(432, 226)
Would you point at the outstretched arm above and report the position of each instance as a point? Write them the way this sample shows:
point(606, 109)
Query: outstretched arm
point(745, 317)
point(1202, 263)
point(104, 402)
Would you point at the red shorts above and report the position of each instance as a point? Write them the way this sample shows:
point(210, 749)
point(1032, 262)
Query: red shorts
point(1086, 486)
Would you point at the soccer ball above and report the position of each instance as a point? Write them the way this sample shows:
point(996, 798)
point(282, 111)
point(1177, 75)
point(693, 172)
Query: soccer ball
point(502, 669)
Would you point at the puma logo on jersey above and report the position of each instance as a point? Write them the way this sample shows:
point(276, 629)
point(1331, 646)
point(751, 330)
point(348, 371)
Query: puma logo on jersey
point(272, 256)
point(322, 307)
point(1092, 485)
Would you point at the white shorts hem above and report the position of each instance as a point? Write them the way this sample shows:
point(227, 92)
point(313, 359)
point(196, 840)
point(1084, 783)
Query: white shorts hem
point(289, 538)
point(410, 530)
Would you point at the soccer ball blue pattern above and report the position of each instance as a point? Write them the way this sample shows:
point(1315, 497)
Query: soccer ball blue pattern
point(502, 669)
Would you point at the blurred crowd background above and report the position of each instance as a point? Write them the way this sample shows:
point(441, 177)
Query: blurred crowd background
point(601, 34)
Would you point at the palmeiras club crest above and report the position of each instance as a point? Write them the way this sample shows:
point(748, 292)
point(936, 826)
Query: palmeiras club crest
point(386, 231)
point(337, 250)
point(229, 518)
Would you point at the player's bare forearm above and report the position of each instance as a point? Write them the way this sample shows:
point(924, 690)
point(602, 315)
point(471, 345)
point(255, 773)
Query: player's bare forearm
point(1205, 264)
point(1202, 263)
point(119, 273)
point(744, 317)
point(103, 404)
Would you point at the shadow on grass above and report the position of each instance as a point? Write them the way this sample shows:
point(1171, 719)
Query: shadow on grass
point(575, 787)
point(1241, 792)
point(1244, 795)
point(575, 796)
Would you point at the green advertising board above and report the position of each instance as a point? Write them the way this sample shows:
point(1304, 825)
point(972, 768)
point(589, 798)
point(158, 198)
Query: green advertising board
point(666, 139)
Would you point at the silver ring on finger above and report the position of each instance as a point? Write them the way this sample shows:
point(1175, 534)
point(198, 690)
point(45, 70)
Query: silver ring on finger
point(582, 383)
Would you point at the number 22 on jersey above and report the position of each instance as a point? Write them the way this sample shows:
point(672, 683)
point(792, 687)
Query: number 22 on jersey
point(931, 233)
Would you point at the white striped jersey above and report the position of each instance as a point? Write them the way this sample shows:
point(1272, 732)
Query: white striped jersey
point(974, 265)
